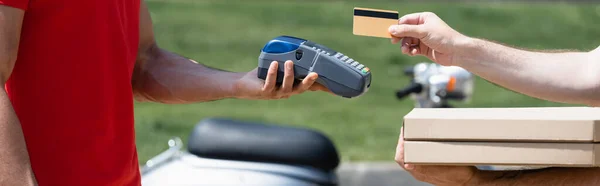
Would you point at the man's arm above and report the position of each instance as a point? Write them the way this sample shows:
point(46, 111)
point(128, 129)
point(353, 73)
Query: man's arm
point(539, 177)
point(160, 75)
point(165, 77)
point(567, 77)
point(15, 167)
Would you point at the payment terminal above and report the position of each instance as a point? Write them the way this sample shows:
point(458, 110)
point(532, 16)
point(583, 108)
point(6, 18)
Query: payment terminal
point(341, 74)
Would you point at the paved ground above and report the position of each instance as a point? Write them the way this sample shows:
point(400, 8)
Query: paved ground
point(375, 174)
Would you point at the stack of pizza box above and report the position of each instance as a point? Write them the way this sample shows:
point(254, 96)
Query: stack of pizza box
point(544, 136)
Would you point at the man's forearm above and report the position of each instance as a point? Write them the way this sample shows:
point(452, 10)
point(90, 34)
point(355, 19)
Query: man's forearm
point(567, 77)
point(166, 77)
point(540, 177)
point(15, 168)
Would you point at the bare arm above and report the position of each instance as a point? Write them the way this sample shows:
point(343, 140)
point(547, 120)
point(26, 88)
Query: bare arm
point(15, 168)
point(162, 76)
point(567, 77)
point(540, 177)
point(165, 77)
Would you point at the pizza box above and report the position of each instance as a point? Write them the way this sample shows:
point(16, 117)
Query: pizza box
point(502, 154)
point(530, 124)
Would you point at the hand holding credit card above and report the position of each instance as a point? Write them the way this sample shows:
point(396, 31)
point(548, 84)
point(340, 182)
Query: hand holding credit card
point(374, 22)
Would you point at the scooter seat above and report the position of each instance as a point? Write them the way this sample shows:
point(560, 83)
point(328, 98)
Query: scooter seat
point(222, 138)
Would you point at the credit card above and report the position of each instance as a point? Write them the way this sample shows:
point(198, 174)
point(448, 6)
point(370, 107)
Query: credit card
point(373, 22)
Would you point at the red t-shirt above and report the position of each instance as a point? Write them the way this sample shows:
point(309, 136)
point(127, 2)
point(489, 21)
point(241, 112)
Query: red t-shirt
point(71, 89)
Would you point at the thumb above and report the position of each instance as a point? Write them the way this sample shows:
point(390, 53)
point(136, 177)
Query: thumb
point(414, 31)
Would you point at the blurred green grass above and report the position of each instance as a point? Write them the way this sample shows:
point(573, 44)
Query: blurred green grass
point(229, 34)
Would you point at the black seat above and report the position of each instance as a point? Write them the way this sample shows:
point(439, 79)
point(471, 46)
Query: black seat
point(222, 138)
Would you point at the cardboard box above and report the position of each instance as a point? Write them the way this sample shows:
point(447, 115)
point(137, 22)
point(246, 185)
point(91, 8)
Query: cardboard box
point(547, 124)
point(503, 154)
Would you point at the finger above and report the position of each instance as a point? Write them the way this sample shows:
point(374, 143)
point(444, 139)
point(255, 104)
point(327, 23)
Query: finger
point(307, 83)
point(288, 78)
point(415, 47)
point(319, 87)
point(416, 31)
point(408, 44)
point(411, 42)
point(414, 51)
point(270, 81)
point(400, 149)
point(404, 48)
point(411, 19)
point(410, 50)
point(395, 40)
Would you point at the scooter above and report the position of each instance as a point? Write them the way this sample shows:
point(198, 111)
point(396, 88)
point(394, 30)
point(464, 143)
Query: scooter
point(434, 86)
point(223, 151)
